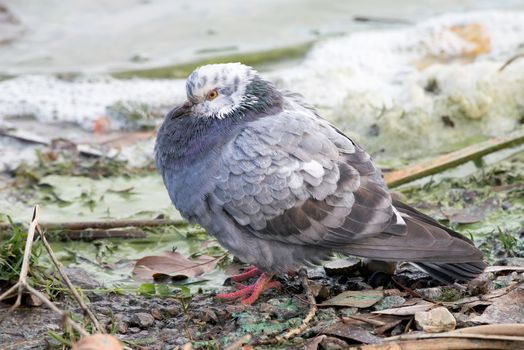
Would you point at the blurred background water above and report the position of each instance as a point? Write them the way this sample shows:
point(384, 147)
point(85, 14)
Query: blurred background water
point(102, 36)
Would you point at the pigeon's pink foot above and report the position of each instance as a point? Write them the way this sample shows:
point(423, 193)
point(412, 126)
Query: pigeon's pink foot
point(250, 272)
point(252, 292)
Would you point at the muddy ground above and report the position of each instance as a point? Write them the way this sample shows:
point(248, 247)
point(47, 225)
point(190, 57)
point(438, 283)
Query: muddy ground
point(208, 323)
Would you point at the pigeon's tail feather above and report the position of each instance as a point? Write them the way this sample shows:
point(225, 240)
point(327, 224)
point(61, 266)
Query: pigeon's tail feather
point(422, 242)
point(443, 253)
point(452, 272)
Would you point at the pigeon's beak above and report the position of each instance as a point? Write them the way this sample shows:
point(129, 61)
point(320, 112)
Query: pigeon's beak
point(182, 109)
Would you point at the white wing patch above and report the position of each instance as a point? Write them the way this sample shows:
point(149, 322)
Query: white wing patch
point(313, 168)
point(399, 220)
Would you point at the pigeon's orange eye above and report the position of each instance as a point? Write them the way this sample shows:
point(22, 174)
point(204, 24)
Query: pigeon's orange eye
point(212, 95)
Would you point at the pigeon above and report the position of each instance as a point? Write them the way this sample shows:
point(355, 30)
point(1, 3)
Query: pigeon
point(282, 188)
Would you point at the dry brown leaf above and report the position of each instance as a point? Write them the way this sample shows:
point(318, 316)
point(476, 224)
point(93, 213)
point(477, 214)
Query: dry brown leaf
point(475, 34)
point(503, 268)
point(353, 332)
point(477, 39)
point(314, 343)
point(99, 342)
point(507, 308)
point(360, 299)
point(421, 305)
point(102, 124)
point(323, 341)
point(173, 265)
point(511, 329)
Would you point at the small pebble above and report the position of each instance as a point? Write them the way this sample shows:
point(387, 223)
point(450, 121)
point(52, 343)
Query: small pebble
point(105, 310)
point(173, 311)
point(266, 308)
point(157, 314)
point(434, 293)
point(143, 320)
point(134, 330)
point(435, 320)
point(121, 327)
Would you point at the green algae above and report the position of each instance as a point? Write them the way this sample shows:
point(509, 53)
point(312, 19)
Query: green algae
point(110, 261)
point(257, 59)
point(492, 197)
point(446, 108)
point(286, 315)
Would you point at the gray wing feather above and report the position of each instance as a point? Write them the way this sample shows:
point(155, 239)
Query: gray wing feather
point(295, 178)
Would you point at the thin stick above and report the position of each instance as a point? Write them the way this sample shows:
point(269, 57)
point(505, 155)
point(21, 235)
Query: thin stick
point(52, 306)
point(439, 164)
point(441, 344)
point(92, 234)
point(311, 313)
point(312, 307)
point(8, 292)
point(454, 334)
point(363, 319)
point(23, 286)
point(82, 225)
point(510, 61)
point(67, 281)
point(22, 278)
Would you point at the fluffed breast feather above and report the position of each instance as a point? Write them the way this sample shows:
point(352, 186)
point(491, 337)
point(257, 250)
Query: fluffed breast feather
point(295, 178)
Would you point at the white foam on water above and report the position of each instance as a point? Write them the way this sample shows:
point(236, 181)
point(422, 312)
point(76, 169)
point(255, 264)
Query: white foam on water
point(365, 78)
point(374, 84)
point(82, 100)
point(384, 61)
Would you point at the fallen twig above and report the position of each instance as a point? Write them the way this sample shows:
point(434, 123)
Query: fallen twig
point(92, 234)
point(27, 136)
point(511, 60)
point(311, 313)
point(109, 224)
point(381, 20)
point(500, 336)
point(418, 171)
point(440, 344)
point(67, 281)
point(22, 285)
point(363, 319)
point(312, 307)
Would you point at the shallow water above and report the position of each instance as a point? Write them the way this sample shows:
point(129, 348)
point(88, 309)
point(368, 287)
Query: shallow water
point(403, 91)
point(94, 36)
point(388, 84)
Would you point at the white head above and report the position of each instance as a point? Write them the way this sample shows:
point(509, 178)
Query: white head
point(216, 90)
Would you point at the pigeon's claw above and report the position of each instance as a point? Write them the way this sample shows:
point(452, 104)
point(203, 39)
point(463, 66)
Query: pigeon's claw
point(242, 292)
point(250, 272)
point(252, 292)
point(263, 283)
